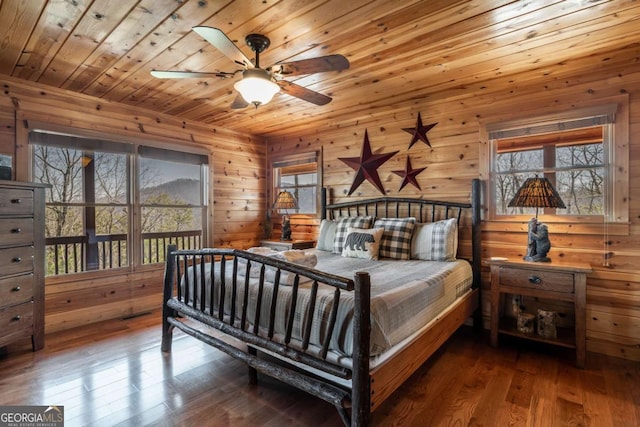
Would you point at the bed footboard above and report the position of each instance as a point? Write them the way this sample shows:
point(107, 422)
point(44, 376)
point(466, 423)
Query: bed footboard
point(245, 308)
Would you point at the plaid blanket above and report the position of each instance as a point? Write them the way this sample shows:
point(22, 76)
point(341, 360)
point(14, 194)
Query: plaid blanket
point(405, 295)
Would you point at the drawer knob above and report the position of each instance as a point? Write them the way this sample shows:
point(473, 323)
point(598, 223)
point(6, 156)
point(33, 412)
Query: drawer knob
point(16, 317)
point(17, 259)
point(535, 280)
point(16, 230)
point(16, 201)
point(16, 289)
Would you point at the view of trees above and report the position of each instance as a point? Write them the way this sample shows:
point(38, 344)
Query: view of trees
point(89, 207)
point(579, 177)
point(303, 186)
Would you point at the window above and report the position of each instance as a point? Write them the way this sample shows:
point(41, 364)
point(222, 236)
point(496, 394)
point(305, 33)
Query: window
point(584, 153)
point(172, 194)
point(572, 160)
point(299, 174)
point(113, 204)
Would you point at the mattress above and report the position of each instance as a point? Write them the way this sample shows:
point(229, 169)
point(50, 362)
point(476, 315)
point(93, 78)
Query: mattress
point(405, 296)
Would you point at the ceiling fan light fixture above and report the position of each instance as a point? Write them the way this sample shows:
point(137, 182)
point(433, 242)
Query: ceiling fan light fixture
point(256, 86)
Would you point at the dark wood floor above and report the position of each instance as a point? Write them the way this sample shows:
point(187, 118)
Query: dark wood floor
point(114, 373)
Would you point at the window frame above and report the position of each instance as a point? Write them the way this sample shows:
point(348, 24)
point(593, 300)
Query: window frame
point(547, 153)
point(299, 159)
point(616, 146)
point(134, 206)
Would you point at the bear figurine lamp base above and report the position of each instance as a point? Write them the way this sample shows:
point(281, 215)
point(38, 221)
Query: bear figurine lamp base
point(285, 201)
point(537, 193)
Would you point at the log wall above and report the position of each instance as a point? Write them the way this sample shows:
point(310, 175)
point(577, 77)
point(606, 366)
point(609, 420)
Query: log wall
point(613, 292)
point(237, 196)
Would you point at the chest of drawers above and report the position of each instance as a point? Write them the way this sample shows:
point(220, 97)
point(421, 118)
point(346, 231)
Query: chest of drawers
point(21, 263)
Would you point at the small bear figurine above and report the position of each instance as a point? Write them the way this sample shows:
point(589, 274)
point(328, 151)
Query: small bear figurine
point(538, 243)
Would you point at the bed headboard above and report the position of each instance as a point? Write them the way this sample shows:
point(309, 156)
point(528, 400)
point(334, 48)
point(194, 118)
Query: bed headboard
point(423, 210)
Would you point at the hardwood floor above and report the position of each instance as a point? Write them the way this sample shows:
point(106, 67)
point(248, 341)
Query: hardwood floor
point(114, 373)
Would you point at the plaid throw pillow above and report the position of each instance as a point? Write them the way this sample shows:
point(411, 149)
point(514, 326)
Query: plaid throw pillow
point(396, 239)
point(435, 241)
point(342, 228)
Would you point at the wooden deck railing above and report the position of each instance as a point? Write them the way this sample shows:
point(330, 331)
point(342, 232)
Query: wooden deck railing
point(70, 254)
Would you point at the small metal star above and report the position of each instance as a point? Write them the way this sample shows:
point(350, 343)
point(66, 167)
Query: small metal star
point(409, 175)
point(366, 166)
point(419, 133)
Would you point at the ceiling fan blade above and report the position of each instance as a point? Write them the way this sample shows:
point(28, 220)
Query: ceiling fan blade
point(303, 93)
point(221, 42)
point(239, 103)
point(313, 65)
point(187, 74)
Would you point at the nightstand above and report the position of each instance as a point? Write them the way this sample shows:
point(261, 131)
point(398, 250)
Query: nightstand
point(546, 282)
point(282, 245)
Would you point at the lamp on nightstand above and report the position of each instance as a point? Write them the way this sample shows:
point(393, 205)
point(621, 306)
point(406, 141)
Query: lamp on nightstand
point(537, 193)
point(285, 201)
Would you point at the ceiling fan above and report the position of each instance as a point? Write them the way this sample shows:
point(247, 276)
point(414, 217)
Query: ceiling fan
point(258, 85)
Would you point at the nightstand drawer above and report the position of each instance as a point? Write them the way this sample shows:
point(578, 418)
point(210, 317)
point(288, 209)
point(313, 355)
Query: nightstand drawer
point(17, 289)
point(16, 231)
point(15, 322)
point(532, 279)
point(16, 260)
point(16, 201)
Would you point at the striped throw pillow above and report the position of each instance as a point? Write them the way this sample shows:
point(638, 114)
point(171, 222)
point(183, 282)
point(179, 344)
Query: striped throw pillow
point(327, 235)
point(435, 241)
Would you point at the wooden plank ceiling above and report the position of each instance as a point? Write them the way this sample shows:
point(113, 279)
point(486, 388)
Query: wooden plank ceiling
point(401, 51)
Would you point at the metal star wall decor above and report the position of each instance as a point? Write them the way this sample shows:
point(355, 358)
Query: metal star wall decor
point(409, 175)
point(419, 133)
point(366, 166)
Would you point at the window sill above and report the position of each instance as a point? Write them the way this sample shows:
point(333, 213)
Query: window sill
point(558, 226)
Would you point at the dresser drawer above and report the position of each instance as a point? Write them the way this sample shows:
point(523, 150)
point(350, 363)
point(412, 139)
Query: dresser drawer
point(16, 322)
point(16, 231)
point(531, 279)
point(16, 289)
point(16, 201)
point(16, 260)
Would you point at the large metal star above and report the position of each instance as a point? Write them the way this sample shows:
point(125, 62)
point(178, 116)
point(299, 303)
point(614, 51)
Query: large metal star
point(409, 175)
point(419, 133)
point(366, 166)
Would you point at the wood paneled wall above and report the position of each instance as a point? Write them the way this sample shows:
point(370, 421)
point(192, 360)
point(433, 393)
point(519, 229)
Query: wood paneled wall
point(613, 293)
point(237, 196)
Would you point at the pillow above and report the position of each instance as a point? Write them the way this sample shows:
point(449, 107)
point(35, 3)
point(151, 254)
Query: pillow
point(327, 235)
point(435, 241)
point(362, 243)
point(396, 239)
point(342, 227)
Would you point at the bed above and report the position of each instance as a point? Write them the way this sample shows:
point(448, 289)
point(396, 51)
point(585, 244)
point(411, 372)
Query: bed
point(342, 322)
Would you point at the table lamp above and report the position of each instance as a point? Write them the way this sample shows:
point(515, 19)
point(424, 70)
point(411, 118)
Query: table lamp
point(537, 193)
point(285, 201)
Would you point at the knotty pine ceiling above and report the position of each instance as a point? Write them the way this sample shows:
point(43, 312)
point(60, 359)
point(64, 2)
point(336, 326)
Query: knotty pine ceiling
point(401, 51)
